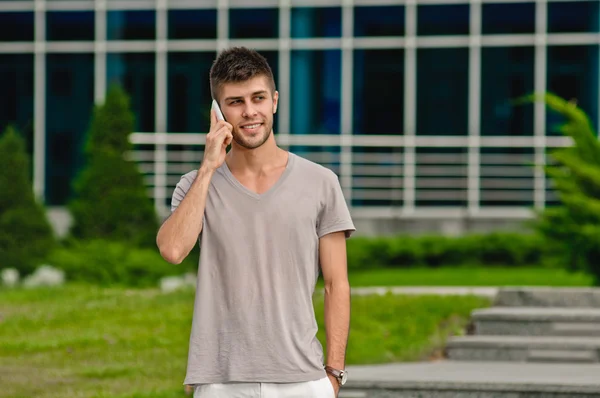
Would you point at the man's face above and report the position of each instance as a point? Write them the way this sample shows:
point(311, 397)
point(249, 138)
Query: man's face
point(249, 107)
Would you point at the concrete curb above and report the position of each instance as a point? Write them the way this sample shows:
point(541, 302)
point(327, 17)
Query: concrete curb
point(488, 292)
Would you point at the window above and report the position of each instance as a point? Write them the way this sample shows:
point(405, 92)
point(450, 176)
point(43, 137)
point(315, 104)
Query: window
point(378, 92)
point(69, 102)
point(192, 24)
point(263, 24)
point(327, 156)
point(189, 98)
point(573, 16)
point(573, 75)
point(507, 73)
point(377, 176)
point(16, 101)
point(442, 91)
point(316, 22)
point(446, 19)
point(506, 18)
point(506, 176)
point(17, 26)
point(315, 93)
point(379, 21)
point(131, 25)
point(441, 177)
point(70, 25)
point(135, 72)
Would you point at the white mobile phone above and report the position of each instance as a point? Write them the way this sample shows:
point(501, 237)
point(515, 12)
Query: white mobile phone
point(215, 106)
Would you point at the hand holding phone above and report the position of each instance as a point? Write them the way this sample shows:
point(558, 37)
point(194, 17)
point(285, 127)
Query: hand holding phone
point(217, 139)
point(217, 110)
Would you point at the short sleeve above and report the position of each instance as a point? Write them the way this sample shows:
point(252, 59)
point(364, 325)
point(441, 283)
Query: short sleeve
point(334, 215)
point(181, 190)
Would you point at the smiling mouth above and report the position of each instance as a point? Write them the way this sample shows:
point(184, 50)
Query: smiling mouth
point(251, 126)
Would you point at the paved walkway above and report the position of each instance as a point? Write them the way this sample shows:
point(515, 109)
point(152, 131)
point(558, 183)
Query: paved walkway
point(489, 292)
point(486, 376)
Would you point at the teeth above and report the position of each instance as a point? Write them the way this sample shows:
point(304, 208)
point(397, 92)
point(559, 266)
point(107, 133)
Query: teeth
point(252, 126)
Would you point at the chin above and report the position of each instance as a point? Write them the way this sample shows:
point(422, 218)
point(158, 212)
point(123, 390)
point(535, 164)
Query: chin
point(252, 142)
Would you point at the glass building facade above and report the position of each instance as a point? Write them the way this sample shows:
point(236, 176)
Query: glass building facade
point(408, 101)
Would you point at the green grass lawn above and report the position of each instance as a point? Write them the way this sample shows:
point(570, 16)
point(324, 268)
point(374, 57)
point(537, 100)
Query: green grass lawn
point(493, 276)
point(89, 342)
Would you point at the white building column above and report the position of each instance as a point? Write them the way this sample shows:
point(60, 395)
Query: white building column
point(39, 112)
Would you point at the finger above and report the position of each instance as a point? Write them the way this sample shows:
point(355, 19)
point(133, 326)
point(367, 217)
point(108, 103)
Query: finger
point(213, 117)
point(228, 139)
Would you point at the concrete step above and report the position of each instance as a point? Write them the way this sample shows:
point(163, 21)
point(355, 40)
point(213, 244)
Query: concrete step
point(524, 349)
point(537, 321)
point(455, 379)
point(548, 297)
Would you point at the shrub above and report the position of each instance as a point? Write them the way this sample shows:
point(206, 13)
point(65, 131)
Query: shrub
point(574, 227)
point(26, 236)
point(493, 249)
point(106, 263)
point(111, 200)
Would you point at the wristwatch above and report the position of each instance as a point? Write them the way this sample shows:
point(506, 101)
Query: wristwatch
point(340, 375)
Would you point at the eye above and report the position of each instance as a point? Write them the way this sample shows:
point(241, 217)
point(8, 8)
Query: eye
point(260, 97)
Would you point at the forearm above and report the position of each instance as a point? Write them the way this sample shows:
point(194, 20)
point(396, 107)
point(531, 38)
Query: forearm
point(179, 233)
point(337, 322)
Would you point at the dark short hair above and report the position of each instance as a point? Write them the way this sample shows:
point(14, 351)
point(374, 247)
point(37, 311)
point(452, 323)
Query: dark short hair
point(238, 64)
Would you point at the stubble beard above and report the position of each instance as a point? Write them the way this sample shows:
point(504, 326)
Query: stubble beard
point(243, 141)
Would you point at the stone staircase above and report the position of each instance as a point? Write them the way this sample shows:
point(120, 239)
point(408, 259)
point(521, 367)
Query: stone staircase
point(534, 325)
point(532, 343)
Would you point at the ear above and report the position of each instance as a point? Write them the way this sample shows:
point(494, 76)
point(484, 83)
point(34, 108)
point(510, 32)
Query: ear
point(275, 101)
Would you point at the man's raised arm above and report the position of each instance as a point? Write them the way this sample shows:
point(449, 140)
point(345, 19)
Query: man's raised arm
point(178, 234)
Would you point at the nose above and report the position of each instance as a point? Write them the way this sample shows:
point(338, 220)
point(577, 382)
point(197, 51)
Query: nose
point(249, 111)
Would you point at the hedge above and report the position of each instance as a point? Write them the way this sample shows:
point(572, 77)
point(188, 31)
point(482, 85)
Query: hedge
point(492, 249)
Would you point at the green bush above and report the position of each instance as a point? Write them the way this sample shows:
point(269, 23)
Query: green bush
point(573, 228)
point(493, 249)
point(106, 263)
point(111, 200)
point(26, 236)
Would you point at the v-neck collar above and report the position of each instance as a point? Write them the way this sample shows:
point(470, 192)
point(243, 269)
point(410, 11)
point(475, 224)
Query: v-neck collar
point(241, 187)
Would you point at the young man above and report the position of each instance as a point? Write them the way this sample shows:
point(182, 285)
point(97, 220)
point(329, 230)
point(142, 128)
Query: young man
point(267, 220)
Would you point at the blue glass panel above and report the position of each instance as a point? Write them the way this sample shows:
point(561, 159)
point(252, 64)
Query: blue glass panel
point(515, 186)
point(188, 101)
point(136, 73)
point(315, 92)
point(263, 23)
point(505, 18)
point(378, 91)
point(131, 25)
point(69, 103)
point(573, 16)
point(507, 73)
point(445, 19)
point(316, 22)
point(326, 156)
point(70, 25)
point(573, 74)
point(441, 177)
point(16, 101)
point(442, 91)
point(192, 24)
point(273, 60)
point(379, 21)
point(17, 26)
point(377, 176)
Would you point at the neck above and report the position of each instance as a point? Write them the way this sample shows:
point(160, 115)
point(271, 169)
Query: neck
point(254, 160)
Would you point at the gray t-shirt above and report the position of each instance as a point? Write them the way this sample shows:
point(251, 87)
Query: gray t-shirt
point(253, 316)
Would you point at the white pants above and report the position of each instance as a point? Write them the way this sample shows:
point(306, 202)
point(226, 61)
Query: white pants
point(321, 388)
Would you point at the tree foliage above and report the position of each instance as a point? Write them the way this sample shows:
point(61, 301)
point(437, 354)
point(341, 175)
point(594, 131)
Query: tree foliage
point(26, 236)
point(574, 226)
point(111, 200)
